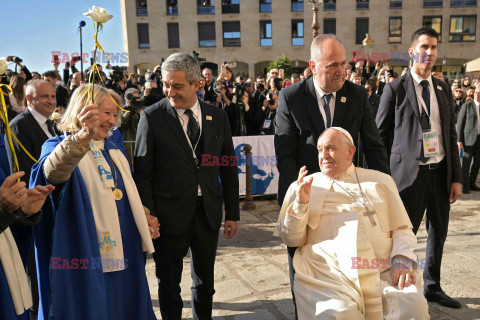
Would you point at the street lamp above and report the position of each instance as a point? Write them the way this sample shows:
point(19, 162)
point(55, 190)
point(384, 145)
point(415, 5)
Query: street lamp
point(315, 6)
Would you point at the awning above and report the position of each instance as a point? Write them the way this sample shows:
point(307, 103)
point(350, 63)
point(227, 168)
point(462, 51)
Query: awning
point(473, 66)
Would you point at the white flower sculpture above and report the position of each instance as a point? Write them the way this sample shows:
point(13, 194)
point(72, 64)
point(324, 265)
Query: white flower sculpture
point(98, 15)
point(315, 3)
point(3, 65)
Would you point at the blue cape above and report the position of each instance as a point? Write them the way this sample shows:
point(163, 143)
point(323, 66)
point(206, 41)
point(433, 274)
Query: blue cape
point(66, 234)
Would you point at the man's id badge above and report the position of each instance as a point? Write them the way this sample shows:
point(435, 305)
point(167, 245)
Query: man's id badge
point(430, 143)
point(267, 123)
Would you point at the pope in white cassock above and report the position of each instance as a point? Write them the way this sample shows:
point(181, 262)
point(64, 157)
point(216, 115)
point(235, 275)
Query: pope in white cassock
point(356, 255)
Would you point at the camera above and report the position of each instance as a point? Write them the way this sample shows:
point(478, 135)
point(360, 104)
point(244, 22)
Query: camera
point(260, 87)
point(271, 101)
point(196, 54)
point(76, 59)
point(238, 90)
point(218, 88)
point(117, 73)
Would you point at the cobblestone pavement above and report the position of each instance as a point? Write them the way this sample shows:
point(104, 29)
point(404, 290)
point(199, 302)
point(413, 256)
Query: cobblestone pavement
point(251, 272)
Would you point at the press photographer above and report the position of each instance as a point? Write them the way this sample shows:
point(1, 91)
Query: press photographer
point(151, 94)
point(269, 110)
point(255, 103)
point(130, 119)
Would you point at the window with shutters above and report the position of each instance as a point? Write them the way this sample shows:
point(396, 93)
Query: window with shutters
point(395, 30)
point(143, 37)
point(297, 33)
point(266, 33)
point(206, 34)
point(361, 30)
point(231, 34)
point(330, 25)
point(173, 35)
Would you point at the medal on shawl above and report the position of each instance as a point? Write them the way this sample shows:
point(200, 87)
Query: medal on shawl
point(117, 193)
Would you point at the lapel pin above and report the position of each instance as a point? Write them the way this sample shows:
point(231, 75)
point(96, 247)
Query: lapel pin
point(439, 88)
point(209, 118)
point(343, 100)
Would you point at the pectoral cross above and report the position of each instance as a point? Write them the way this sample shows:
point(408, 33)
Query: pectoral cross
point(370, 214)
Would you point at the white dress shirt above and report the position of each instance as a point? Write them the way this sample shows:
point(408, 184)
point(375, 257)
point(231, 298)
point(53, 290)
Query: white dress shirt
point(42, 121)
point(435, 121)
point(321, 103)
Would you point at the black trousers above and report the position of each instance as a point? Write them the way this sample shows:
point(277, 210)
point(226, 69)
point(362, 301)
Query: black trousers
point(470, 176)
point(169, 253)
point(429, 191)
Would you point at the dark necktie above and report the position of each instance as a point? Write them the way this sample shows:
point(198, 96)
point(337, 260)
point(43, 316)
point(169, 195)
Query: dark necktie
point(424, 118)
point(326, 107)
point(193, 131)
point(51, 127)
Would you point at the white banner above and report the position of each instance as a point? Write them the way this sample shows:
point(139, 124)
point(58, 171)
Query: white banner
point(264, 164)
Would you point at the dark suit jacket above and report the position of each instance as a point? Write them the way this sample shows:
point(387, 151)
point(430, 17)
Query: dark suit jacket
point(398, 121)
point(374, 100)
point(167, 177)
point(467, 124)
point(299, 123)
point(32, 137)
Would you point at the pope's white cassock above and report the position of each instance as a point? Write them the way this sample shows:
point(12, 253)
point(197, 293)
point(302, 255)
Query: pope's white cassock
point(343, 263)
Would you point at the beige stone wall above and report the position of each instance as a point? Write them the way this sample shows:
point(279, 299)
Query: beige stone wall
point(251, 53)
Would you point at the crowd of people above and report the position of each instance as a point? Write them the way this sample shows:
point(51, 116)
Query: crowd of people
point(106, 213)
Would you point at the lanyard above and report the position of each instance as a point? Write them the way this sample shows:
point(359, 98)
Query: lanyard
point(424, 106)
point(194, 147)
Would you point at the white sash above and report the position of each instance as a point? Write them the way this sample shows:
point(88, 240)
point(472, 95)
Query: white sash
point(105, 210)
point(15, 273)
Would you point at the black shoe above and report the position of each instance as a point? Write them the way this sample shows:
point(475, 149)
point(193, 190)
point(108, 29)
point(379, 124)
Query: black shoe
point(465, 190)
point(474, 187)
point(442, 299)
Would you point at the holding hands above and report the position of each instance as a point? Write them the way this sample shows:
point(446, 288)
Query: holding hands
point(304, 186)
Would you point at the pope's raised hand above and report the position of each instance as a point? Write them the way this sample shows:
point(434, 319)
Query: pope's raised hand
point(304, 186)
point(89, 121)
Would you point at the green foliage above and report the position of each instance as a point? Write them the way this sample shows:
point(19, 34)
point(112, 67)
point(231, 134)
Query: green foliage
point(282, 62)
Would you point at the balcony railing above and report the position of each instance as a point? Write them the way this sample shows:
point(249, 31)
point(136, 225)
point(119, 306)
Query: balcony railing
point(172, 10)
point(329, 6)
point(230, 8)
point(463, 3)
point(395, 4)
point(265, 7)
point(362, 5)
point(142, 12)
point(297, 6)
point(297, 42)
point(206, 9)
point(266, 42)
point(432, 3)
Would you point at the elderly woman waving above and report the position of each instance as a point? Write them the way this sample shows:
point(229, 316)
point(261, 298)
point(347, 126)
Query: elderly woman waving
point(99, 229)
